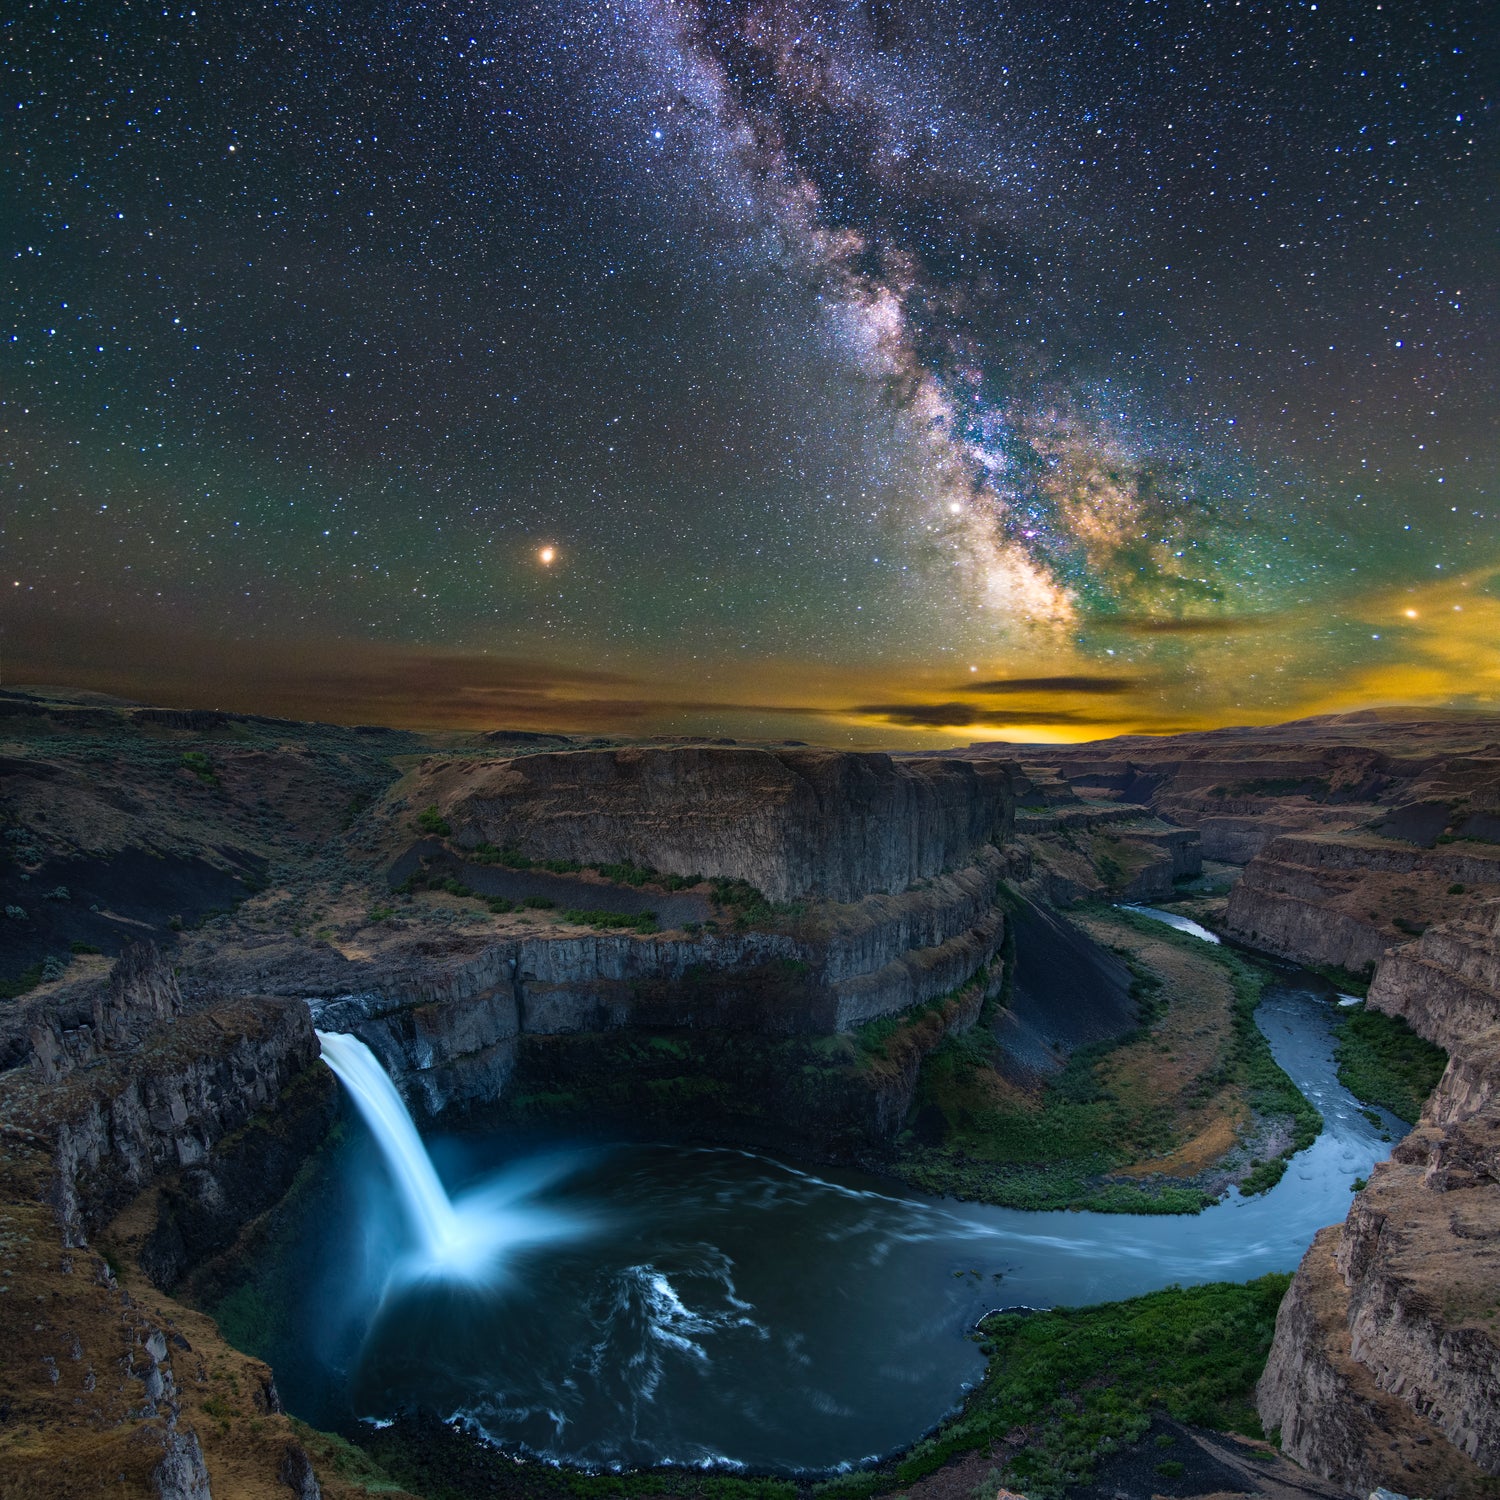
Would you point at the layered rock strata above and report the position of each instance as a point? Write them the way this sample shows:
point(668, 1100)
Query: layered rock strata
point(1410, 777)
point(1386, 1363)
point(793, 823)
point(446, 1021)
point(1343, 900)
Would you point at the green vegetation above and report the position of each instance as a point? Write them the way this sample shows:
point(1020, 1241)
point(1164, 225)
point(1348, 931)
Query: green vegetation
point(430, 820)
point(77, 947)
point(1345, 980)
point(627, 872)
point(1383, 1061)
point(201, 767)
point(26, 980)
point(352, 1465)
point(1271, 1091)
point(427, 880)
point(443, 1462)
point(357, 804)
point(1315, 787)
point(751, 907)
point(972, 1136)
point(641, 921)
point(623, 872)
point(1077, 1384)
point(1063, 1390)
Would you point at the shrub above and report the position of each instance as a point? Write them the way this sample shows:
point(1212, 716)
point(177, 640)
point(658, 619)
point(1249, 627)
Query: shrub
point(538, 903)
point(201, 767)
point(1087, 1380)
point(27, 979)
point(643, 922)
point(430, 820)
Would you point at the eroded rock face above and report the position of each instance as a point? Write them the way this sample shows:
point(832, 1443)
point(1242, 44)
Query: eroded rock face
point(1386, 1361)
point(1344, 899)
point(791, 822)
point(446, 1022)
point(160, 1105)
point(179, 1116)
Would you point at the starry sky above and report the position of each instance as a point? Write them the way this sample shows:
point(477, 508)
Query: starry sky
point(865, 370)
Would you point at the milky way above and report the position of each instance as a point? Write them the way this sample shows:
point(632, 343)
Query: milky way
point(856, 362)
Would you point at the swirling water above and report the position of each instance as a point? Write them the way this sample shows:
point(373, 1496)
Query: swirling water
point(649, 1303)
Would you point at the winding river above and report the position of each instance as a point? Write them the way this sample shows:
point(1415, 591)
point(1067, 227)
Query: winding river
point(656, 1304)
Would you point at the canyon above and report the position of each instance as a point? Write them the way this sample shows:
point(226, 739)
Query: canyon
point(804, 927)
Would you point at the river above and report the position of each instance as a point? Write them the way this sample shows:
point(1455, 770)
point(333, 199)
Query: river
point(657, 1303)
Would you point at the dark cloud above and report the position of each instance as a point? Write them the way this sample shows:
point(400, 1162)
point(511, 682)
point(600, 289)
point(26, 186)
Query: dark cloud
point(1203, 625)
point(960, 715)
point(1106, 686)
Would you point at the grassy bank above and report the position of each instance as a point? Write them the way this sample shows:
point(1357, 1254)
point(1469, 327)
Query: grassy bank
point(1066, 1388)
point(1140, 1124)
point(1383, 1061)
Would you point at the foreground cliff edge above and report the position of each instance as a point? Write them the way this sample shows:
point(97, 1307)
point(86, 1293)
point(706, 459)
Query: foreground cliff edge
point(152, 1118)
point(1386, 1363)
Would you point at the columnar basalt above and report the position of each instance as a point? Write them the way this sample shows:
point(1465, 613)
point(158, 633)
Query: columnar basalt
point(791, 822)
point(446, 1021)
point(192, 1119)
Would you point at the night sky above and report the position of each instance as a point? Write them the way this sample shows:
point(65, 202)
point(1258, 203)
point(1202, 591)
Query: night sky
point(895, 371)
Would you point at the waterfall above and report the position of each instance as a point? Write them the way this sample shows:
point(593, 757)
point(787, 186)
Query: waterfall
point(469, 1236)
point(426, 1202)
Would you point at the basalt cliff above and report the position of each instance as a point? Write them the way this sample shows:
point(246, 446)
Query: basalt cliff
point(1386, 1365)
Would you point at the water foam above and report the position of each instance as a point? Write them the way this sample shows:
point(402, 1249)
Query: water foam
point(463, 1238)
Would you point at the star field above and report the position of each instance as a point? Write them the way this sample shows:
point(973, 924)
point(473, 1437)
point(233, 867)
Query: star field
point(832, 350)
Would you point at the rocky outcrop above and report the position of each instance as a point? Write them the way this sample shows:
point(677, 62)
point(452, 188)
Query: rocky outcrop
point(1445, 986)
point(73, 1028)
point(1331, 1414)
point(116, 1128)
point(1344, 899)
point(161, 1125)
point(791, 822)
point(1387, 1352)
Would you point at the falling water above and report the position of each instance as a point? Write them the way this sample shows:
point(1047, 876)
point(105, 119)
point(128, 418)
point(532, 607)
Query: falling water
point(427, 1204)
point(714, 1307)
point(467, 1236)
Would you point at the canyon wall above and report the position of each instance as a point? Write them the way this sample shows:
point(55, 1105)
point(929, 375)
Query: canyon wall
point(1386, 1361)
point(792, 822)
point(162, 1127)
point(1343, 899)
point(445, 1017)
